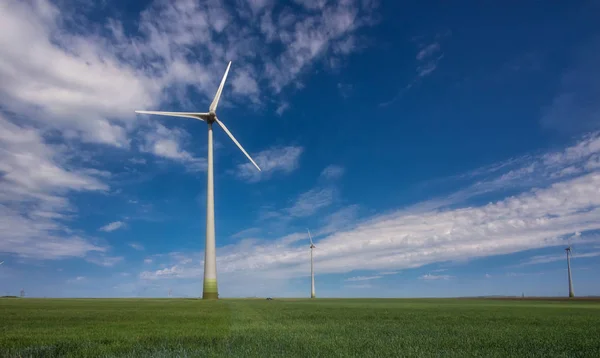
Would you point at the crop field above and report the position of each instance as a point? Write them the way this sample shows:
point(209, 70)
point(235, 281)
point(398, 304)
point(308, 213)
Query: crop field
point(298, 328)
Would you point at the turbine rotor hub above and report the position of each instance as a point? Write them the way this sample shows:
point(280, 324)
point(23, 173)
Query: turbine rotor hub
point(212, 116)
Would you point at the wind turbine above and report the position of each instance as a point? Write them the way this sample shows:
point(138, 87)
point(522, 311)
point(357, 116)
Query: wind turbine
point(312, 267)
point(210, 290)
point(568, 250)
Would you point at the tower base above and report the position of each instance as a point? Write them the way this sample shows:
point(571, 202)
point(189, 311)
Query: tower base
point(210, 291)
point(210, 296)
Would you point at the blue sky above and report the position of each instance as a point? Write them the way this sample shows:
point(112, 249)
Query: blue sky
point(433, 150)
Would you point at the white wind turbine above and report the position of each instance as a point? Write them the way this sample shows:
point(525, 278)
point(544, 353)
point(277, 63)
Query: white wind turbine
point(569, 255)
point(210, 290)
point(312, 268)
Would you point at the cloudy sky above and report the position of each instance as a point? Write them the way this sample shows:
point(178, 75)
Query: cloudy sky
point(433, 150)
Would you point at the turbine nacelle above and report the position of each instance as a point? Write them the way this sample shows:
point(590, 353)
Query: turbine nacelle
point(211, 117)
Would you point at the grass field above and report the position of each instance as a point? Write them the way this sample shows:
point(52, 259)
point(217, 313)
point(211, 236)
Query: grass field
point(298, 328)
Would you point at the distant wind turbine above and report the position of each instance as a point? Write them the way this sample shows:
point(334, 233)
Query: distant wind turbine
point(210, 290)
point(312, 268)
point(568, 250)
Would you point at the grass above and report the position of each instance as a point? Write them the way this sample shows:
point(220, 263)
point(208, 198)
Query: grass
point(298, 328)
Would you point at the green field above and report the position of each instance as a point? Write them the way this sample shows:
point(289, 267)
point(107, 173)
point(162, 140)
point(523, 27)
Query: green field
point(300, 328)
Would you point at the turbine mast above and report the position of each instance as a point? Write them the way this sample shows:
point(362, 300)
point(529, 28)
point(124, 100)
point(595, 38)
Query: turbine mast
point(312, 267)
point(312, 274)
point(571, 292)
point(210, 290)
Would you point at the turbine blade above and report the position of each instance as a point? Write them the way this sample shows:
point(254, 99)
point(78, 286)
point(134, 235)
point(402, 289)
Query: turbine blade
point(215, 102)
point(309, 236)
point(235, 141)
point(195, 115)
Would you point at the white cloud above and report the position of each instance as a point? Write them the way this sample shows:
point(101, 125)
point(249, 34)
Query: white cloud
point(258, 5)
point(307, 37)
point(244, 83)
point(164, 142)
point(62, 72)
point(284, 106)
point(363, 278)
point(34, 182)
point(246, 233)
point(115, 225)
point(333, 172)
point(388, 272)
point(543, 259)
point(342, 219)
point(345, 89)
point(428, 51)
point(148, 261)
point(172, 272)
point(538, 217)
point(105, 261)
point(310, 202)
point(428, 58)
point(76, 279)
point(54, 75)
point(56, 78)
point(312, 4)
point(136, 246)
point(360, 286)
point(270, 161)
point(430, 277)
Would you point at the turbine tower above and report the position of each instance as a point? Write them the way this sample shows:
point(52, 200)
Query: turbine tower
point(210, 290)
point(312, 267)
point(568, 250)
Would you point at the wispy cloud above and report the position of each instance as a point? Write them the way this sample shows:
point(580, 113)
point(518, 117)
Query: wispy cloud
point(310, 202)
point(430, 277)
point(105, 261)
point(427, 51)
point(544, 259)
point(332, 172)
point(76, 279)
point(363, 278)
point(282, 108)
point(544, 215)
point(110, 227)
point(246, 233)
point(428, 57)
point(342, 219)
point(53, 74)
point(136, 246)
point(34, 188)
point(278, 159)
point(167, 143)
point(360, 286)
point(345, 89)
